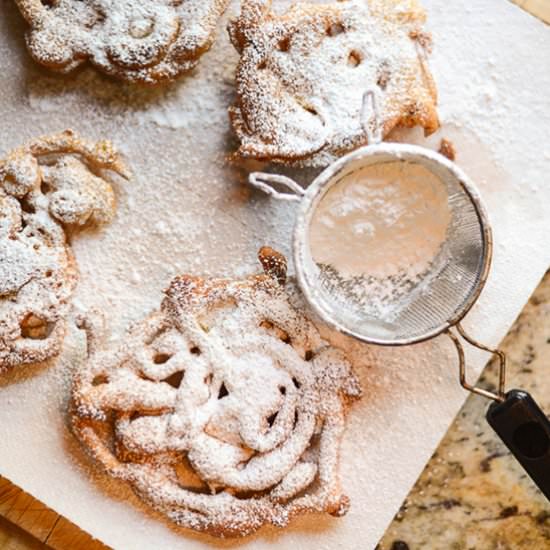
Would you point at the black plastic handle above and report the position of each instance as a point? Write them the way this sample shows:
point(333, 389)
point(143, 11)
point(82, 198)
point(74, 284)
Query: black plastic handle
point(525, 430)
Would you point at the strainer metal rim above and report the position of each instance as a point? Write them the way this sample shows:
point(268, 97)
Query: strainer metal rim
point(315, 193)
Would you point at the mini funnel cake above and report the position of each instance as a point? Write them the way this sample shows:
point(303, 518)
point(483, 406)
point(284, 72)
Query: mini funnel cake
point(45, 187)
point(224, 410)
point(303, 74)
point(144, 41)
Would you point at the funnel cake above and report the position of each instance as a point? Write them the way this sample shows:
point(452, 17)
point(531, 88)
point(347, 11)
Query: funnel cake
point(223, 410)
point(144, 41)
point(303, 75)
point(45, 187)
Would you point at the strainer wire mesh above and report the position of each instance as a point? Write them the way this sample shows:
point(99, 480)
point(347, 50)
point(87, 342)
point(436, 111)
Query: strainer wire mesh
point(444, 293)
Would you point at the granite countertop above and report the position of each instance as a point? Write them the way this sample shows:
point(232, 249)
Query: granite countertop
point(473, 494)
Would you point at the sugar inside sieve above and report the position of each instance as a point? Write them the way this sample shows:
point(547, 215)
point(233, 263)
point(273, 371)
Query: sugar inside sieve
point(393, 245)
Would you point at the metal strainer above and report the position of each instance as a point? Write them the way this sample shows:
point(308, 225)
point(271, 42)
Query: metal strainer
point(396, 308)
point(444, 292)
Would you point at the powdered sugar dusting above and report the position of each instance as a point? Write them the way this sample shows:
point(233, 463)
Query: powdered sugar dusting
point(230, 375)
point(377, 234)
point(303, 74)
point(46, 187)
point(138, 41)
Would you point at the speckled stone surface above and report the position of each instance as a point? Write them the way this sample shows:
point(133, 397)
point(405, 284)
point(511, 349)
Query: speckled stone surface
point(472, 494)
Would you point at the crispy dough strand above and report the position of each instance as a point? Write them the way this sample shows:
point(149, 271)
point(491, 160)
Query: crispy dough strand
point(224, 409)
point(45, 186)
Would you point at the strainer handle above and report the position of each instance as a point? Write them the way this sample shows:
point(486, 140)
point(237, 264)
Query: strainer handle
point(371, 120)
point(265, 182)
point(525, 430)
point(501, 358)
point(514, 416)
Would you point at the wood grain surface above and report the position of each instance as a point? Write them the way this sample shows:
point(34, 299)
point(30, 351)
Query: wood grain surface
point(27, 524)
point(538, 8)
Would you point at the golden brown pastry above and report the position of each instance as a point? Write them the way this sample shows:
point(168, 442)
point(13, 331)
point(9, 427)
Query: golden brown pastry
point(46, 186)
point(144, 41)
point(224, 409)
point(303, 74)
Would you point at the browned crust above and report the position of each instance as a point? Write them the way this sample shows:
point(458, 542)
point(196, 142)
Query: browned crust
point(61, 41)
point(260, 117)
point(103, 405)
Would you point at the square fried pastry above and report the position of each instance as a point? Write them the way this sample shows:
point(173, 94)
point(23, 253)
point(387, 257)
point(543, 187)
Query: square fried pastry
point(144, 41)
point(224, 409)
point(304, 74)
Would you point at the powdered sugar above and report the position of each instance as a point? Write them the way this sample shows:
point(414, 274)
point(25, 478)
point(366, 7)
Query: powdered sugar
point(382, 220)
point(377, 234)
point(142, 41)
point(303, 74)
point(230, 375)
point(46, 187)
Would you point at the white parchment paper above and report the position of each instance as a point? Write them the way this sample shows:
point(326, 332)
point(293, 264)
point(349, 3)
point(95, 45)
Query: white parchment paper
point(187, 210)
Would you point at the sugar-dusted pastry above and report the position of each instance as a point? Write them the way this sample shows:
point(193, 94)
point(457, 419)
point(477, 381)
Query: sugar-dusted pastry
point(46, 186)
point(224, 409)
point(136, 40)
point(303, 75)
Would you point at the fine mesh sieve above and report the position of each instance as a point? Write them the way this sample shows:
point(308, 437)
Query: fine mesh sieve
point(412, 298)
point(398, 308)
